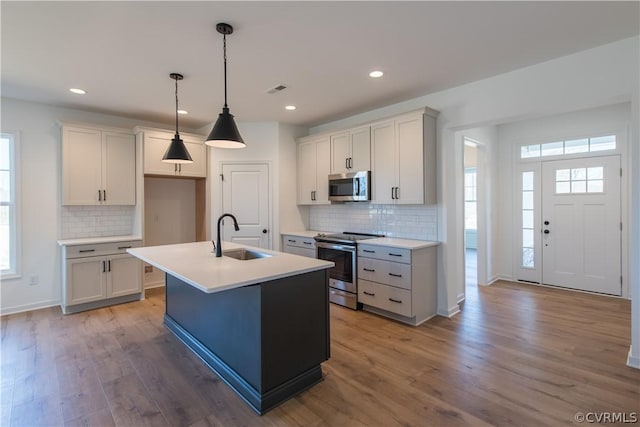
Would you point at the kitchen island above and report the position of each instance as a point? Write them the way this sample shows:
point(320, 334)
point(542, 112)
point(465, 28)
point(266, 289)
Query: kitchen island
point(258, 318)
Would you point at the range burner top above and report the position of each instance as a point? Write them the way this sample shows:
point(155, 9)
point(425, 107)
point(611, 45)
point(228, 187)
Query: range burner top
point(346, 237)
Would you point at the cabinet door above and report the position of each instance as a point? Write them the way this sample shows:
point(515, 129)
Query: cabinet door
point(323, 169)
point(410, 160)
point(86, 280)
point(340, 152)
point(125, 275)
point(81, 166)
point(360, 149)
point(155, 145)
point(119, 168)
point(306, 171)
point(383, 162)
point(198, 152)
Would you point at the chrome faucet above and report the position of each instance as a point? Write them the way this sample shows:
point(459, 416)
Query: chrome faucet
point(218, 245)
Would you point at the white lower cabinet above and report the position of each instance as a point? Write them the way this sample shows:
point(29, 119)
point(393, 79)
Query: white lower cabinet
point(96, 275)
point(399, 283)
point(298, 245)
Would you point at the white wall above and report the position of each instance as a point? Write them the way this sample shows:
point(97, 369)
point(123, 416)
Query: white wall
point(40, 197)
point(601, 76)
point(169, 211)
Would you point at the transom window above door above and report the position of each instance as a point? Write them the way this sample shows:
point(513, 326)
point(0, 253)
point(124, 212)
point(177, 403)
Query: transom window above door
point(569, 147)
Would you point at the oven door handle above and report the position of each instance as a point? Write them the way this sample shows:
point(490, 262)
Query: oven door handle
point(336, 247)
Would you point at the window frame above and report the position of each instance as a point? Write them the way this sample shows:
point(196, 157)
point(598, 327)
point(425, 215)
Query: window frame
point(14, 270)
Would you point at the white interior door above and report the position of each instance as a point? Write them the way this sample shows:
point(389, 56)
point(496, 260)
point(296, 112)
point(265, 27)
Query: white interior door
point(581, 240)
point(245, 194)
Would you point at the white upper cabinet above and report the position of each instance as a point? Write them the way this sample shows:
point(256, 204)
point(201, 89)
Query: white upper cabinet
point(403, 159)
point(98, 167)
point(314, 159)
point(351, 151)
point(155, 143)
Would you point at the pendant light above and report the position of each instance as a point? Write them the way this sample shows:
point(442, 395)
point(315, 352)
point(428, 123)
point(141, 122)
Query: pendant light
point(225, 132)
point(177, 151)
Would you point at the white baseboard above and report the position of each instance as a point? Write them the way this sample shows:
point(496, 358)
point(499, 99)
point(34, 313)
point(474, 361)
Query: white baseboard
point(156, 284)
point(452, 311)
point(633, 361)
point(28, 307)
point(460, 298)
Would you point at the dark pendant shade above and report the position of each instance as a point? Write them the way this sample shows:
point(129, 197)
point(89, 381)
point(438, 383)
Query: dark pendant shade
point(225, 133)
point(177, 152)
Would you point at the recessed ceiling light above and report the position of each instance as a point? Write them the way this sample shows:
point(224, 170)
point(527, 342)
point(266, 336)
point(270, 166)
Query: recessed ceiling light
point(77, 91)
point(290, 107)
point(183, 112)
point(375, 74)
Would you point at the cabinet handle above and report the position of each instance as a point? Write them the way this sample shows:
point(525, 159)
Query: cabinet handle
point(292, 241)
point(104, 195)
point(99, 195)
point(392, 196)
point(109, 264)
point(308, 243)
point(395, 275)
point(350, 162)
point(369, 293)
point(87, 250)
point(368, 251)
point(371, 270)
point(391, 254)
point(104, 267)
point(395, 300)
point(124, 247)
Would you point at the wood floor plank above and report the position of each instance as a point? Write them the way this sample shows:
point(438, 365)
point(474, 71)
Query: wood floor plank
point(515, 355)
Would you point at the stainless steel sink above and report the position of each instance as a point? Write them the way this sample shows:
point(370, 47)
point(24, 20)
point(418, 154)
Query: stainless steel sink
point(245, 254)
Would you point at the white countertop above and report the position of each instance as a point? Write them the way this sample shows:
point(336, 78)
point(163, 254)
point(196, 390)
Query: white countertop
point(95, 240)
point(197, 265)
point(303, 233)
point(399, 243)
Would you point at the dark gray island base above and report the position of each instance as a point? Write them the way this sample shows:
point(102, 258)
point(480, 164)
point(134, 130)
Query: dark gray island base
point(266, 340)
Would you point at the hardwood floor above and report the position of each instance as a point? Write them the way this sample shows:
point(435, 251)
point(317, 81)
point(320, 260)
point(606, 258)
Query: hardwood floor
point(515, 355)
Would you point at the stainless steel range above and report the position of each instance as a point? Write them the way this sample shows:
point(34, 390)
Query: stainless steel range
point(342, 250)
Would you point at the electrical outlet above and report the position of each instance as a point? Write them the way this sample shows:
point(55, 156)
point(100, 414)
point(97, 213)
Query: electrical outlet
point(148, 269)
point(33, 280)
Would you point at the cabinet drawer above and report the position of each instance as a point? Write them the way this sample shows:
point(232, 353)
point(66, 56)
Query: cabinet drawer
point(98, 249)
point(301, 242)
point(387, 298)
point(386, 272)
point(385, 253)
point(296, 250)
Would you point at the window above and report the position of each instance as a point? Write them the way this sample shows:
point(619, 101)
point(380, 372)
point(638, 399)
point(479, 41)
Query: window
point(573, 146)
point(8, 206)
point(527, 220)
point(470, 201)
point(580, 180)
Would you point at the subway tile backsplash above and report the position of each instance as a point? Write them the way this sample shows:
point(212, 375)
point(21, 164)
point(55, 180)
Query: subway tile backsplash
point(402, 221)
point(96, 221)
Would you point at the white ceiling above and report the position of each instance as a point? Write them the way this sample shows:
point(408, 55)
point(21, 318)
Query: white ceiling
point(122, 52)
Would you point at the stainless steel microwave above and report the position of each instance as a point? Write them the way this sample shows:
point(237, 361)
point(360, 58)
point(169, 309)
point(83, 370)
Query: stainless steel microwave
point(350, 187)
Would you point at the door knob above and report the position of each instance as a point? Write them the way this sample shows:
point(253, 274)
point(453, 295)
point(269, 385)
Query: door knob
point(546, 231)
point(546, 223)
point(264, 231)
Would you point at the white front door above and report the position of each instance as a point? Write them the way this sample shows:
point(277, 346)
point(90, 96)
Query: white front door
point(245, 194)
point(581, 236)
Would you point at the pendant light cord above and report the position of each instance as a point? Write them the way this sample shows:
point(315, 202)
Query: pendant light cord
point(176, 106)
point(224, 48)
